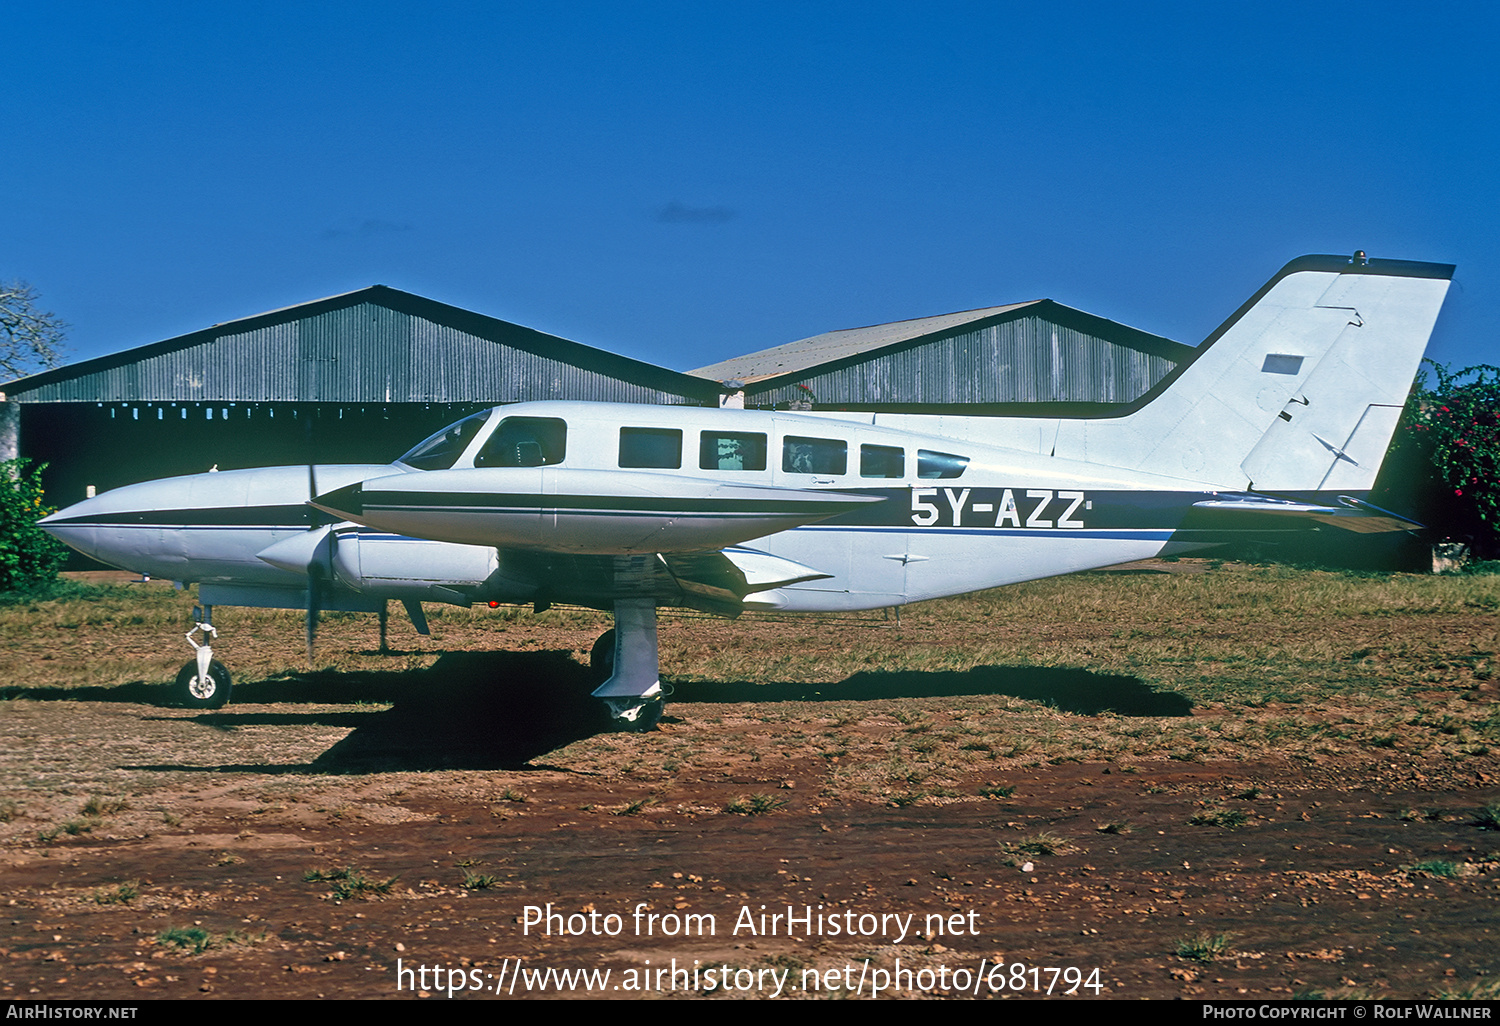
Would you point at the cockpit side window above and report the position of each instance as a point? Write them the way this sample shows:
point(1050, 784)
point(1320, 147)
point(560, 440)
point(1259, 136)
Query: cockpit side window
point(442, 450)
point(814, 455)
point(940, 465)
point(732, 450)
point(882, 461)
point(660, 448)
point(525, 442)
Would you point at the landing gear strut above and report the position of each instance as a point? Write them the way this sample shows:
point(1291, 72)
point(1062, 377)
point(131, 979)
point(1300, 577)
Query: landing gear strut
point(203, 683)
point(627, 654)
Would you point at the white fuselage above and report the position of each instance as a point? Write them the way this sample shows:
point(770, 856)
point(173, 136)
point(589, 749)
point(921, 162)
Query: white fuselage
point(955, 516)
point(929, 516)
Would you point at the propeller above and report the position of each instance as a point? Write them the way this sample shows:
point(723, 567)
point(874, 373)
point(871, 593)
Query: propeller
point(313, 611)
point(309, 554)
point(313, 598)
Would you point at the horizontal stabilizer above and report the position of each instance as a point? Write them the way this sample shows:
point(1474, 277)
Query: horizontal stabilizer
point(1350, 514)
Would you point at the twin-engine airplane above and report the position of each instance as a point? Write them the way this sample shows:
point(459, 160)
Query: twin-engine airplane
point(1283, 416)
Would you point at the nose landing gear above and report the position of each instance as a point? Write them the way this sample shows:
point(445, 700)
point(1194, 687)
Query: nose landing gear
point(203, 683)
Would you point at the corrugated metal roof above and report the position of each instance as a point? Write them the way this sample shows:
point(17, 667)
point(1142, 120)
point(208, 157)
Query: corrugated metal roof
point(841, 344)
point(376, 344)
point(997, 357)
point(1026, 359)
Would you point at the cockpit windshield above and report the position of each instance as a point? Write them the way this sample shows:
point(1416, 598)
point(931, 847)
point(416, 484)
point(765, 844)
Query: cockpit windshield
point(442, 450)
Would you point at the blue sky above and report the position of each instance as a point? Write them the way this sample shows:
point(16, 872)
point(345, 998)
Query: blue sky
point(682, 183)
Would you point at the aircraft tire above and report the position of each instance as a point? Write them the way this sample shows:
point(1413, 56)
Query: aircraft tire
point(212, 694)
point(602, 657)
point(648, 719)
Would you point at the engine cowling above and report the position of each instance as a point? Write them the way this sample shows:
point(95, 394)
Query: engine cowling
point(397, 564)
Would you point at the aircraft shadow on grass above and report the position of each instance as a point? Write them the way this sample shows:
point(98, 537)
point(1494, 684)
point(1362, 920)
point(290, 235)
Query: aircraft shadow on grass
point(1067, 690)
point(502, 710)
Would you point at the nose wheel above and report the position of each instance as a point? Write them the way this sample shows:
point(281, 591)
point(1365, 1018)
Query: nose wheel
point(197, 689)
point(204, 682)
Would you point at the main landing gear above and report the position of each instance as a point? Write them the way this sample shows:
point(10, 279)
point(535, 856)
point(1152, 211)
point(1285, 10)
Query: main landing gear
point(626, 656)
point(204, 682)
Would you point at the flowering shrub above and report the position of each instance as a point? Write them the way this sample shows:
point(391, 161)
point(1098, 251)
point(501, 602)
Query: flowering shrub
point(28, 555)
point(1455, 424)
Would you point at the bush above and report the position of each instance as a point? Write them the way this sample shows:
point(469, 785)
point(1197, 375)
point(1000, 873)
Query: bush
point(1454, 425)
point(28, 555)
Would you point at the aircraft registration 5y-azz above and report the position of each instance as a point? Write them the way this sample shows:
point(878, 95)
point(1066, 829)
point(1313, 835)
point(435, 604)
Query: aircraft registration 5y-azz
point(1282, 417)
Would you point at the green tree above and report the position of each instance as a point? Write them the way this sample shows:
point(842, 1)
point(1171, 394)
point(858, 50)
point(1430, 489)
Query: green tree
point(28, 555)
point(1453, 424)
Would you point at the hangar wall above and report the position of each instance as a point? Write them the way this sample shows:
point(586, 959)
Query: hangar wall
point(354, 378)
point(376, 345)
point(1029, 360)
point(995, 360)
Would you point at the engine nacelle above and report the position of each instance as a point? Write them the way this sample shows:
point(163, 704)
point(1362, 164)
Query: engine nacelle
point(410, 567)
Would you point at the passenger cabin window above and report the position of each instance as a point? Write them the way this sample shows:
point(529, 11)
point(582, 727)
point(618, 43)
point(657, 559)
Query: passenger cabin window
point(732, 450)
point(442, 450)
point(814, 455)
point(651, 447)
point(939, 465)
point(882, 461)
point(525, 442)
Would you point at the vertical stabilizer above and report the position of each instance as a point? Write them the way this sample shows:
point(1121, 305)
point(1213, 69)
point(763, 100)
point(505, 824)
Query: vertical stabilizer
point(1299, 390)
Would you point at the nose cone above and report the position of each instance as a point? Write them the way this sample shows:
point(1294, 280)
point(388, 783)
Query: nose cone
point(56, 524)
point(107, 527)
point(346, 503)
point(188, 528)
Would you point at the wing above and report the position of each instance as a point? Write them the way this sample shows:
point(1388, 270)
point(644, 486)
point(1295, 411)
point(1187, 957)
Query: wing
point(1349, 514)
point(592, 537)
point(587, 512)
point(714, 582)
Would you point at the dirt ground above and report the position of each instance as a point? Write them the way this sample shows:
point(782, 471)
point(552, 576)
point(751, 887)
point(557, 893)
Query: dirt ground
point(430, 834)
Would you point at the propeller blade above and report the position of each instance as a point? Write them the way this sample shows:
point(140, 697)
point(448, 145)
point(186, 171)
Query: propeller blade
point(313, 599)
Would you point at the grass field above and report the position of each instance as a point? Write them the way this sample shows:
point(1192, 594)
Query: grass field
point(1189, 661)
point(1205, 779)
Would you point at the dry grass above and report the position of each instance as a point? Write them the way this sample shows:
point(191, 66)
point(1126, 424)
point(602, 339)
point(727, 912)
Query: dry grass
point(1204, 946)
point(1268, 661)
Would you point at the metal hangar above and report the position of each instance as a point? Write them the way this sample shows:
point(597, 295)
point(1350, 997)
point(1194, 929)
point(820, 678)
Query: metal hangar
point(998, 360)
point(358, 377)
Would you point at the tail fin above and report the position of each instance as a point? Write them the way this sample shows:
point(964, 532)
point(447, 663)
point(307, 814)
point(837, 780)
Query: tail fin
point(1299, 390)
